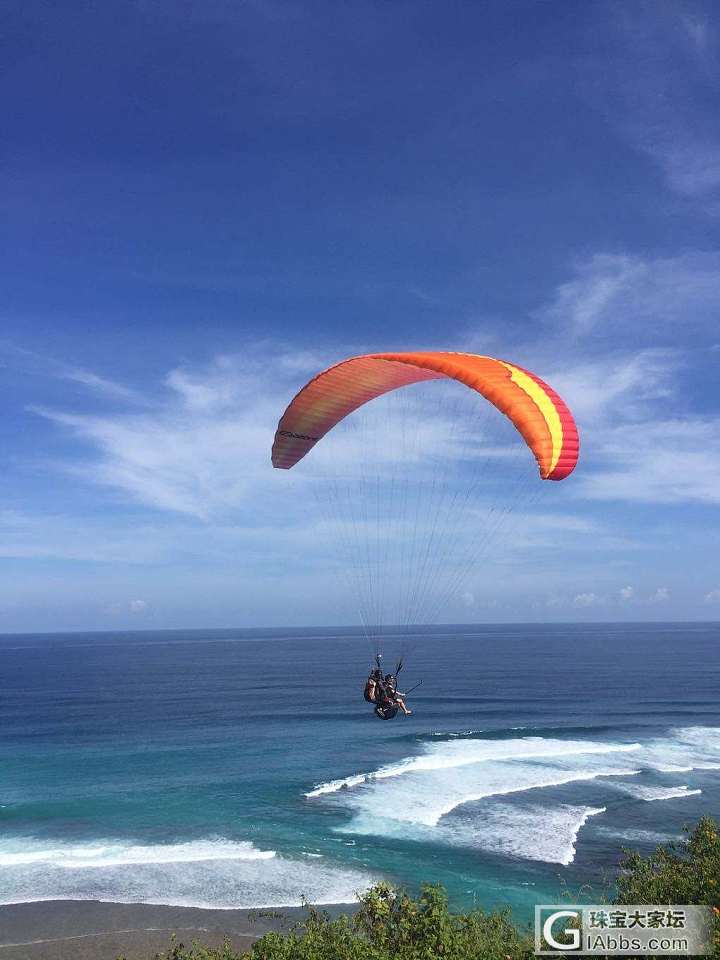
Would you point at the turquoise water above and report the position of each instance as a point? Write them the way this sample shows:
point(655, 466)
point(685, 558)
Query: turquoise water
point(243, 768)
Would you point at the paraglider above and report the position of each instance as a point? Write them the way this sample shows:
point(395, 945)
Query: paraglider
point(383, 692)
point(537, 412)
point(410, 532)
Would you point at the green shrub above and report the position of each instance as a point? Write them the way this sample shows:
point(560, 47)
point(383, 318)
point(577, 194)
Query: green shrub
point(687, 873)
point(390, 925)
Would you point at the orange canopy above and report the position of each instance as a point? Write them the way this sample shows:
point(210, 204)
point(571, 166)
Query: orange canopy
point(534, 408)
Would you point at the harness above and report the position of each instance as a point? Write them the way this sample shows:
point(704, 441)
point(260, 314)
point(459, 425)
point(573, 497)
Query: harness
point(386, 707)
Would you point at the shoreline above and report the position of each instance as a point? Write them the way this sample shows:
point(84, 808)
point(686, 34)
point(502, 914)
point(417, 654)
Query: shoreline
point(99, 930)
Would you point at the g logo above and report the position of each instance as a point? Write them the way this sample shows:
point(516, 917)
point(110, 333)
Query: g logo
point(571, 932)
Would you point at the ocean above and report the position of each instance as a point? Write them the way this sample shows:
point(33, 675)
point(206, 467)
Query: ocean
point(242, 768)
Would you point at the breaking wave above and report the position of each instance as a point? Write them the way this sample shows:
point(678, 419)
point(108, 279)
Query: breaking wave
point(659, 793)
point(460, 753)
point(216, 873)
point(85, 856)
point(533, 832)
point(449, 792)
point(530, 832)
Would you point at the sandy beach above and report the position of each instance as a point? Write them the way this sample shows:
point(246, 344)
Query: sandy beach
point(90, 930)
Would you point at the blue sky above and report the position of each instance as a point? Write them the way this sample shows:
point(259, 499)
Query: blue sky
point(203, 204)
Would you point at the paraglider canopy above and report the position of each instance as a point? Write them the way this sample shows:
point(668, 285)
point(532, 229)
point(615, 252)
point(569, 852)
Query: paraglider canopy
point(414, 489)
point(537, 412)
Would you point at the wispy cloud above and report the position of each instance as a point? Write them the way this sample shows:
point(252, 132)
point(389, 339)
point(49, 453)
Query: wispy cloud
point(616, 386)
point(31, 362)
point(661, 595)
point(663, 461)
point(172, 460)
point(135, 608)
point(641, 440)
point(659, 91)
point(585, 600)
point(202, 449)
point(41, 535)
point(195, 454)
point(640, 300)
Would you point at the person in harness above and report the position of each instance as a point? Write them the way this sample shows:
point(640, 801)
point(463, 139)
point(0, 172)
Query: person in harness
point(382, 691)
point(393, 695)
point(374, 686)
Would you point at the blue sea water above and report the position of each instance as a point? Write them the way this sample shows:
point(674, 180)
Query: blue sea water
point(243, 768)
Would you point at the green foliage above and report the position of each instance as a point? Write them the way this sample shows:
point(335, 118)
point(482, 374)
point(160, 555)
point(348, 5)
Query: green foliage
point(687, 873)
point(390, 925)
point(179, 951)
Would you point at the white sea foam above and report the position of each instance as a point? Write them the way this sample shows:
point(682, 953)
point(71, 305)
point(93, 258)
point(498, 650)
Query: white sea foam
point(683, 750)
point(111, 854)
point(654, 837)
point(452, 735)
point(658, 793)
point(525, 831)
point(332, 786)
point(207, 873)
point(532, 832)
point(426, 800)
point(462, 753)
point(707, 738)
point(428, 795)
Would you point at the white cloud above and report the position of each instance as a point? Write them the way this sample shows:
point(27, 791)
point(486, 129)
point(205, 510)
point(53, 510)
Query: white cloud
point(585, 600)
point(611, 388)
point(713, 596)
point(587, 301)
point(637, 298)
point(661, 595)
point(198, 454)
point(624, 392)
point(124, 608)
point(100, 385)
point(662, 461)
point(658, 92)
point(41, 535)
point(692, 167)
point(201, 451)
point(205, 451)
point(40, 365)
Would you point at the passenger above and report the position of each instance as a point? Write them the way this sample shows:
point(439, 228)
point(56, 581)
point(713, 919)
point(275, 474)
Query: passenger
point(393, 694)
